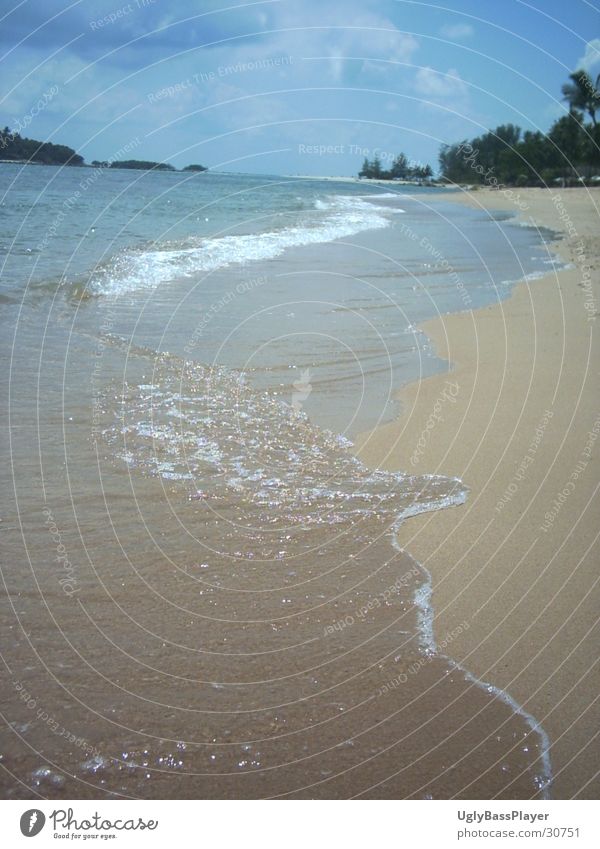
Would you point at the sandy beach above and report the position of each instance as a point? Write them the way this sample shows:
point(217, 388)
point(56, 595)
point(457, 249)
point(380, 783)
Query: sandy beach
point(206, 596)
point(516, 416)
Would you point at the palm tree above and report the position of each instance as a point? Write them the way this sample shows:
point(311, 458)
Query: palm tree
point(581, 93)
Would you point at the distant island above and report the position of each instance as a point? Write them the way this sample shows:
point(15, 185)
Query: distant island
point(145, 165)
point(15, 148)
point(135, 164)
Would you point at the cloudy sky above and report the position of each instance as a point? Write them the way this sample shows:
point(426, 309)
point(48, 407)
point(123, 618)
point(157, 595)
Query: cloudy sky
point(286, 86)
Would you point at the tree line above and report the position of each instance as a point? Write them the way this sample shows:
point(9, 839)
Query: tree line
point(14, 147)
point(135, 164)
point(401, 169)
point(569, 153)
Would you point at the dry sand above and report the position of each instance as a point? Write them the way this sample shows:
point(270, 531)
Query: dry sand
point(520, 561)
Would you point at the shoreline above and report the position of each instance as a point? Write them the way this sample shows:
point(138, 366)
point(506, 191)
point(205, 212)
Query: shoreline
point(516, 418)
point(431, 645)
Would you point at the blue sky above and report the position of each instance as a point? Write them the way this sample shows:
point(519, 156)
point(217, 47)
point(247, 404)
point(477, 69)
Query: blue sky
point(286, 86)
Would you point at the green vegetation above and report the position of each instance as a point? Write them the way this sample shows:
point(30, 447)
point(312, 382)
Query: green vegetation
point(401, 170)
point(569, 153)
point(142, 165)
point(15, 148)
point(581, 94)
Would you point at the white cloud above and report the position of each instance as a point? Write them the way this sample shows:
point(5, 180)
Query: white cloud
point(457, 32)
point(383, 41)
point(445, 100)
point(591, 57)
point(439, 85)
point(342, 36)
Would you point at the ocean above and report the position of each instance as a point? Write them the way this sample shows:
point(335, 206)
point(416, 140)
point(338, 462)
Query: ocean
point(203, 592)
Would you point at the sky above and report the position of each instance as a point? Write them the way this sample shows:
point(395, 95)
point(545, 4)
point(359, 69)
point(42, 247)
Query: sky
point(285, 86)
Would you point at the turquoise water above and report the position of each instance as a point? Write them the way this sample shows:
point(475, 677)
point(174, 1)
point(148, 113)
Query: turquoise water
point(296, 282)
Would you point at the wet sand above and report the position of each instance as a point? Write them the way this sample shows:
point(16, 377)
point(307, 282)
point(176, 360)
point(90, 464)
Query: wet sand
point(516, 417)
point(249, 640)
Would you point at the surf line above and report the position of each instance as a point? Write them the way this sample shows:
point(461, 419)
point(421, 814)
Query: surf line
point(425, 618)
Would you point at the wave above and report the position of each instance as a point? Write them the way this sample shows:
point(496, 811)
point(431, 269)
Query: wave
point(132, 270)
point(198, 424)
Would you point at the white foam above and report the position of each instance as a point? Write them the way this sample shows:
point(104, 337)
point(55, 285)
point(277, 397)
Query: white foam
point(533, 275)
point(422, 599)
point(386, 195)
point(147, 269)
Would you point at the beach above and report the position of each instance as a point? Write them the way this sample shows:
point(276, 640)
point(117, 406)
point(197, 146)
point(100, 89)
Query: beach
point(516, 416)
point(205, 596)
point(217, 601)
point(300, 420)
